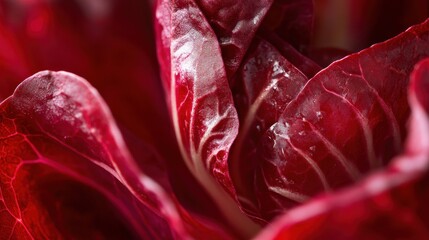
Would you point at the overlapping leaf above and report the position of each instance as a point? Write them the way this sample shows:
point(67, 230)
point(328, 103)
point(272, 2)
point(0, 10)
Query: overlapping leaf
point(234, 23)
point(201, 105)
point(347, 121)
point(294, 138)
point(389, 204)
point(265, 85)
point(58, 135)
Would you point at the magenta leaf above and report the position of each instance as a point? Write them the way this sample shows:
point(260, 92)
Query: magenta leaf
point(58, 135)
point(265, 85)
point(234, 23)
point(388, 204)
point(200, 101)
point(349, 120)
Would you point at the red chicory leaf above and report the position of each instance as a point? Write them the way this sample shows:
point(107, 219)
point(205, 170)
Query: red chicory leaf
point(234, 23)
point(265, 84)
point(348, 120)
point(200, 101)
point(58, 134)
point(388, 204)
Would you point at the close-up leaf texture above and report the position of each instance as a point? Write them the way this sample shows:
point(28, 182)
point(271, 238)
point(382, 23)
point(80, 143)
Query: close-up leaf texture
point(214, 119)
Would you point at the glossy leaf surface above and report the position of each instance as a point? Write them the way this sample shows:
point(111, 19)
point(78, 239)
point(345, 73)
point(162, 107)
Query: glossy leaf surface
point(348, 121)
point(58, 135)
point(388, 204)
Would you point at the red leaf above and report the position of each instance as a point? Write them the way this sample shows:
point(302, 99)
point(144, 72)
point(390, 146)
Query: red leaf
point(234, 23)
point(348, 121)
point(59, 140)
point(265, 85)
point(202, 110)
point(388, 204)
